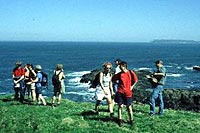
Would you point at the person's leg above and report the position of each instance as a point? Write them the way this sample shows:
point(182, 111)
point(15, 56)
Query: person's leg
point(120, 114)
point(110, 106)
point(42, 98)
point(21, 90)
point(97, 106)
point(59, 98)
point(153, 97)
point(33, 94)
point(130, 113)
point(161, 107)
point(16, 93)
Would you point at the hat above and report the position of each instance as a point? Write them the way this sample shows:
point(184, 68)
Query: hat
point(118, 60)
point(38, 67)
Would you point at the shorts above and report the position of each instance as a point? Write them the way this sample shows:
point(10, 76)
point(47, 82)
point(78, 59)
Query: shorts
point(122, 99)
point(32, 86)
point(38, 90)
point(100, 95)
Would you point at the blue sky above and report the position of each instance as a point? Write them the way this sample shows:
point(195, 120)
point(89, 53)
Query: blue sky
point(99, 20)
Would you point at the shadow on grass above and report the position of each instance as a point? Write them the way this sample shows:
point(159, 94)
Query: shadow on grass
point(92, 115)
point(12, 101)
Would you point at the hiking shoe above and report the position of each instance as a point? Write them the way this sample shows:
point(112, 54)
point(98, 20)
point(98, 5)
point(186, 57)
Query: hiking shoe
point(152, 115)
point(120, 122)
point(111, 115)
point(131, 122)
point(97, 112)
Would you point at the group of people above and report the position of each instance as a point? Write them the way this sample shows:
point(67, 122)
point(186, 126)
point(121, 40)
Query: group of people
point(114, 87)
point(31, 80)
point(117, 88)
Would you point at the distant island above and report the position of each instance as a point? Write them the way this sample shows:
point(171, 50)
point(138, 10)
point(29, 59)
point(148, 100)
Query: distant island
point(175, 41)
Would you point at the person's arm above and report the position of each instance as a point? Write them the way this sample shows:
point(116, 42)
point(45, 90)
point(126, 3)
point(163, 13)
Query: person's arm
point(111, 87)
point(162, 72)
point(101, 82)
point(135, 78)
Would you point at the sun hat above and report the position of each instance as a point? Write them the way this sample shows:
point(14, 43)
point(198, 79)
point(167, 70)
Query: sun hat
point(38, 67)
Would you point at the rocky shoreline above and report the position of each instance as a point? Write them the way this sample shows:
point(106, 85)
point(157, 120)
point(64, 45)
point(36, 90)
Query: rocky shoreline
point(173, 98)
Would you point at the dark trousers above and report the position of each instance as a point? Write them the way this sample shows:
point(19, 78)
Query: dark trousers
point(20, 91)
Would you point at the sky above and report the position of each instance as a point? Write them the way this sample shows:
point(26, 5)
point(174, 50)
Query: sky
point(99, 20)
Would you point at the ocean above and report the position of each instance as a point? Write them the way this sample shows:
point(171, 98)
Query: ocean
point(79, 58)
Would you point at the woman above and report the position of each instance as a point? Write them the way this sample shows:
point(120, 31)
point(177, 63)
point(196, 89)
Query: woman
point(58, 89)
point(105, 89)
point(29, 76)
point(38, 85)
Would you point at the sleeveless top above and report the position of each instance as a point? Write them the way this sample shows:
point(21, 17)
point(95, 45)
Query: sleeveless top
point(106, 79)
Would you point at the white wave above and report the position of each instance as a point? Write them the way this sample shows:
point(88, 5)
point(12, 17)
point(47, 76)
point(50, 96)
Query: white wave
point(188, 68)
point(175, 75)
point(80, 93)
point(168, 66)
point(144, 68)
point(75, 80)
point(77, 74)
point(3, 93)
point(179, 67)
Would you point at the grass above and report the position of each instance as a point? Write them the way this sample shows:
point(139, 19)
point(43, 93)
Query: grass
point(79, 117)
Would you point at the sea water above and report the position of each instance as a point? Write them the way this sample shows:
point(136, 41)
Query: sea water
point(79, 58)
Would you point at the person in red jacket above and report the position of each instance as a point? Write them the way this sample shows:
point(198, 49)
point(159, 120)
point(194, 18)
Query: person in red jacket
point(18, 79)
point(127, 80)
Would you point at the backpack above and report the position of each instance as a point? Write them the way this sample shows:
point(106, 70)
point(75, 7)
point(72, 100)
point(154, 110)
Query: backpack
point(44, 81)
point(55, 80)
point(95, 82)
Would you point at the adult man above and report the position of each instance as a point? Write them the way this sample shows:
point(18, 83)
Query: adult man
point(124, 92)
point(18, 79)
point(160, 75)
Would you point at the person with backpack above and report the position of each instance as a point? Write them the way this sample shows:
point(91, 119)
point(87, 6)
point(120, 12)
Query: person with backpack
point(127, 80)
point(58, 83)
point(18, 79)
point(160, 76)
point(104, 89)
point(38, 85)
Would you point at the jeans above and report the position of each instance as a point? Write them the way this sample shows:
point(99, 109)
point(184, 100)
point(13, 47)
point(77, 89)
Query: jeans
point(157, 93)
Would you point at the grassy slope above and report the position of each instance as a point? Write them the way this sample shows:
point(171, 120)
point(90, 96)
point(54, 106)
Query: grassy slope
point(79, 117)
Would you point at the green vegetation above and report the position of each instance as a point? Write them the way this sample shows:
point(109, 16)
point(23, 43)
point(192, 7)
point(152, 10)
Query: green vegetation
point(79, 117)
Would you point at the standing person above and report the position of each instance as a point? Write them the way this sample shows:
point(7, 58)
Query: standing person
point(117, 70)
point(160, 75)
point(30, 75)
point(127, 80)
point(105, 89)
point(38, 85)
point(58, 83)
point(18, 79)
